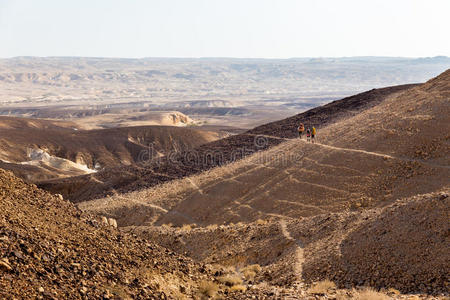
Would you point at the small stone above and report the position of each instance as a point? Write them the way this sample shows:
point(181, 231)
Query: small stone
point(4, 264)
point(107, 295)
point(18, 254)
point(104, 221)
point(112, 222)
point(45, 258)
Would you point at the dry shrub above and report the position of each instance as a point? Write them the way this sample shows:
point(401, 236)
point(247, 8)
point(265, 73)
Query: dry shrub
point(260, 222)
point(249, 275)
point(228, 269)
point(230, 280)
point(238, 288)
point(342, 295)
point(369, 294)
point(362, 202)
point(208, 288)
point(186, 227)
point(250, 271)
point(393, 291)
point(255, 268)
point(322, 287)
point(212, 227)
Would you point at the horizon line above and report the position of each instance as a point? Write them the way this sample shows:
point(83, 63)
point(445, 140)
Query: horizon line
point(225, 57)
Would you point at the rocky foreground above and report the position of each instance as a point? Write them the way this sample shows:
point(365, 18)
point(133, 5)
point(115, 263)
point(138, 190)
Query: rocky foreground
point(50, 249)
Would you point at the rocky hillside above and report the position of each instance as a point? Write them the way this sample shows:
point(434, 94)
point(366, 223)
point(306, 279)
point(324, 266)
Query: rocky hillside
point(49, 249)
point(327, 114)
point(404, 246)
point(96, 149)
point(416, 124)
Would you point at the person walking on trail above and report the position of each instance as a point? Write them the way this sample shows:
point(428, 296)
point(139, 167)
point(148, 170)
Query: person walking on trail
point(301, 129)
point(313, 134)
point(308, 135)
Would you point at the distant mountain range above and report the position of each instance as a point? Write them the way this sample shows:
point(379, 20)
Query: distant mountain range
point(62, 80)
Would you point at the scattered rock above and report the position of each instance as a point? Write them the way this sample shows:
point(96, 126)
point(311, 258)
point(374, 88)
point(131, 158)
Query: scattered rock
point(112, 222)
point(104, 221)
point(4, 264)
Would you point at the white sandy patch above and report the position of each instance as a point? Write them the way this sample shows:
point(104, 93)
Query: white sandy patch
point(39, 157)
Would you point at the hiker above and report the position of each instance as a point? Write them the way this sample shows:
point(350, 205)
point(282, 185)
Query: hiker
point(300, 129)
point(313, 134)
point(308, 135)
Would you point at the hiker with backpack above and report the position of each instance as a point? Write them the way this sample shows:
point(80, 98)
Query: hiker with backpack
point(301, 129)
point(313, 134)
point(308, 135)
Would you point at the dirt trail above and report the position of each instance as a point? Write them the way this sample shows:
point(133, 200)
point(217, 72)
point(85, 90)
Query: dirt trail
point(195, 186)
point(353, 150)
point(359, 151)
point(383, 155)
point(299, 253)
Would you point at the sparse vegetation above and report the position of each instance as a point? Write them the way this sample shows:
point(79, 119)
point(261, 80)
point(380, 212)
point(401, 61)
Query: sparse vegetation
point(321, 287)
point(369, 294)
point(260, 222)
point(255, 268)
point(251, 271)
point(230, 280)
point(186, 227)
point(168, 225)
point(249, 275)
point(393, 291)
point(212, 227)
point(238, 288)
point(208, 288)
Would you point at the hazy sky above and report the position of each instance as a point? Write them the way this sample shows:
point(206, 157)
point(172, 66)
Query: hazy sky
point(225, 28)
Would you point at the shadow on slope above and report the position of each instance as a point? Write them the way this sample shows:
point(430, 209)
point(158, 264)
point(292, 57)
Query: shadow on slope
point(97, 149)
